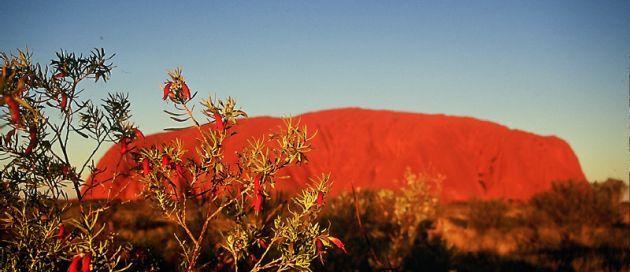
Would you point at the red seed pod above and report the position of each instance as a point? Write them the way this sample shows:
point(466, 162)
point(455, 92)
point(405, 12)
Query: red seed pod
point(165, 161)
point(218, 121)
point(74, 265)
point(186, 91)
point(59, 75)
point(145, 166)
point(64, 102)
point(320, 199)
point(85, 263)
point(13, 108)
point(167, 90)
point(139, 133)
point(32, 136)
point(61, 234)
point(338, 243)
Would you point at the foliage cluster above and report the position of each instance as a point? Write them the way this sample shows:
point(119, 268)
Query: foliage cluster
point(44, 110)
point(389, 222)
point(574, 204)
point(206, 214)
point(573, 226)
point(373, 238)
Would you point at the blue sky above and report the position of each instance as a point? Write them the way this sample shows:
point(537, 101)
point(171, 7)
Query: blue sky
point(549, 67)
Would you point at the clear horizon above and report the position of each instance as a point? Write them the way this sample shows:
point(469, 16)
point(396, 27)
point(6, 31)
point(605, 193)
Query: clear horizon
point(551, 68)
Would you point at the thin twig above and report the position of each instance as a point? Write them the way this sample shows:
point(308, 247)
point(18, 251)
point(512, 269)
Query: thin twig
point(363, 232)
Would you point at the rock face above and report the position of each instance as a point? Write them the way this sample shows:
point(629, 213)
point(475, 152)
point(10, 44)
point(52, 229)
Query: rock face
point(372, 148)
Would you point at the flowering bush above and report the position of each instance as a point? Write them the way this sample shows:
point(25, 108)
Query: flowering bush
point(44, 112)
point(234, 193)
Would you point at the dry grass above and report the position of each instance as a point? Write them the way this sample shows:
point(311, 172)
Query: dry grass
point(463, 236)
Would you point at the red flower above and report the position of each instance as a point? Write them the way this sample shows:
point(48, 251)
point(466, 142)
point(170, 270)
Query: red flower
point(145, 166)
point(141, 255)
point(257, 184)
point(139, 133)
point(85, 263)
point(14, 108)
point(218, 191)
point(64, 101)
point(253, 258)
point(68, 172)
point(9, 136)
point(20, 87)
point(124, 148)
point(74, 265)
point(219, 121)
point(338, 243)
point(258, 198)
point(262, 243)
point(165, 161)
point(62, 232)
point(167, 91)
point(179, 170)
point(32, 136)
point(186, 91)
point(59, 75)
point(320, 246)
point(320, 199)
point(258, 201)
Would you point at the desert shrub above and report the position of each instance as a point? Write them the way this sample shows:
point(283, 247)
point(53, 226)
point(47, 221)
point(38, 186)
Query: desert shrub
point(414, 204)
point(587, 219)
point(194, 192)
point(427, 253)
point(42, 110)
point(382, 226)
point(487, 214)
point(199, 197)
point(612, 190)
point(575, 204)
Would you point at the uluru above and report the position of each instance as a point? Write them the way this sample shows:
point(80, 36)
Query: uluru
point(371, 149)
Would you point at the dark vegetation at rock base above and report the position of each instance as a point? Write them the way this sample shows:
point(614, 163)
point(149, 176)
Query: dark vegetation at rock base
point(569, 228)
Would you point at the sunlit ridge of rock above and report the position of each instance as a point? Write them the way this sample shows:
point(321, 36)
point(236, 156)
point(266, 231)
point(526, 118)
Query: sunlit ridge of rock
point(372, 148)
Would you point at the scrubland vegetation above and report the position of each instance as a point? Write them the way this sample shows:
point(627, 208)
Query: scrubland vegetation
point(208, 215)
point(478, 235)
point(213, 209)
